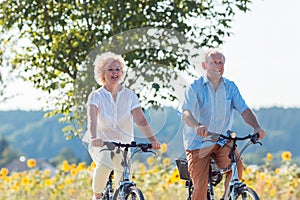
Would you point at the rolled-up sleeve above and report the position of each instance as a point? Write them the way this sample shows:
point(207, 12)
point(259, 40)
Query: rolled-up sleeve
point(190, 99)
point(239, 103)
point(135, 102)
point(93, 98)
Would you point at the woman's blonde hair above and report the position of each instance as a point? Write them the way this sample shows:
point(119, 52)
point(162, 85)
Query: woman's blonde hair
point(103, 61)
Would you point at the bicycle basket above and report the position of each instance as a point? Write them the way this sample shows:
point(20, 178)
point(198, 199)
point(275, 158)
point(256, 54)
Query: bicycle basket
point(182, 166)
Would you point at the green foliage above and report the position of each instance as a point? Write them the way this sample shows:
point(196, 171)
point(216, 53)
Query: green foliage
point(2, 87)
point(51, 41)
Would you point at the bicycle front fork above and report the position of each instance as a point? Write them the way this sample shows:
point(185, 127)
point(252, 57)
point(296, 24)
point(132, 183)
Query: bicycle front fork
point(234, 183)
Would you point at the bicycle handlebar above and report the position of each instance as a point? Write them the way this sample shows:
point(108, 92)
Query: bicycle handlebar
point(143, 146)
point(232, 136)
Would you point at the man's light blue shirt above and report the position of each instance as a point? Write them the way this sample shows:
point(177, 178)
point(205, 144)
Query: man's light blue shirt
point(211, 108)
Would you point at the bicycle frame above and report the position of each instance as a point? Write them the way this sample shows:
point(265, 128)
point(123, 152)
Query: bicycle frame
point(234, 180)
point(235, 186)
point(210, 191)
point(125, 184)
point(214, 174)
point(125, 181)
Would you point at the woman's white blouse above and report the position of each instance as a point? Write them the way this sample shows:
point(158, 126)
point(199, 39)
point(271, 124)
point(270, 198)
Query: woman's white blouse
point(115, 121)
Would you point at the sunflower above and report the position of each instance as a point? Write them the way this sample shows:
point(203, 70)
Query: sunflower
point(93, 164)
point(269, 157)
point(81, 166)
point(166, 161)
point(31, 163)
point(4, 172)
point(150, 160)
point(65, 166)
point(74, 172)
point(142, 168)
point(48, 182)
point(47, 172)
point(164, 148)
point(272, 192)
point(286, 156)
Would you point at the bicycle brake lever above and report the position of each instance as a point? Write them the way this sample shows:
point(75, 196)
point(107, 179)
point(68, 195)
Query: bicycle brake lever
point(111, 146)
point(254, 139)
point(145, 147)
point(118, 150)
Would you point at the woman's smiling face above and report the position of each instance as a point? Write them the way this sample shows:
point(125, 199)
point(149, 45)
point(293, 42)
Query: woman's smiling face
point(113, 73)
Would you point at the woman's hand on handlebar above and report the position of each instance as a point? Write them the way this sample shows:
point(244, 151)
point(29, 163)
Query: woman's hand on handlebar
point(261, 132)
point(155, 144)
point(97, 142)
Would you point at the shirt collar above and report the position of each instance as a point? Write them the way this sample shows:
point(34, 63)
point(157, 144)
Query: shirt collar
point(104, 90)
point(108, 92)
point(206, 80)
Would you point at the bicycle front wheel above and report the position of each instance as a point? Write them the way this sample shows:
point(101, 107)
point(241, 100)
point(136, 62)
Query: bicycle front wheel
point(132, 193)
point(246, 193)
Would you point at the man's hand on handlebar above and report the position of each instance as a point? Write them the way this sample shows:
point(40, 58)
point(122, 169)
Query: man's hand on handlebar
point(201, 130)
point(261, 132)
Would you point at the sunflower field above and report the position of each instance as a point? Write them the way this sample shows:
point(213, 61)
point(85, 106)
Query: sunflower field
point(157, 177)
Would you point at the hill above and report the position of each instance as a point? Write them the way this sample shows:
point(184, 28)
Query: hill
point(35, 136)
point(38, 137)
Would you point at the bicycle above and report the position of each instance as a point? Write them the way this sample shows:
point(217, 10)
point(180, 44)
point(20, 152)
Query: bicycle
point(237, 189)
point(127, 189)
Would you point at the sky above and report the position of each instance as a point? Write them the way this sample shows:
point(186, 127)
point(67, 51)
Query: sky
point(261, 58)
point(262, 54)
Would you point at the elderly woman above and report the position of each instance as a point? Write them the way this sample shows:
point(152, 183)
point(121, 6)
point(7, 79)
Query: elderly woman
point(111, 110)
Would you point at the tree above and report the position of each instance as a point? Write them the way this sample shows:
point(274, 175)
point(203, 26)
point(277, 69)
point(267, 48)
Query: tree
point(3, 77)
point(2, 88)
point(56, 42)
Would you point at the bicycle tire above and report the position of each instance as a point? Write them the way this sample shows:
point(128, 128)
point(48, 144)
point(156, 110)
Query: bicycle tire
point(132, 193)
point(246, 193)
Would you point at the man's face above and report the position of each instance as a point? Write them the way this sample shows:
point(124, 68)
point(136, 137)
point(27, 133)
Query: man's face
point(214, 65)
